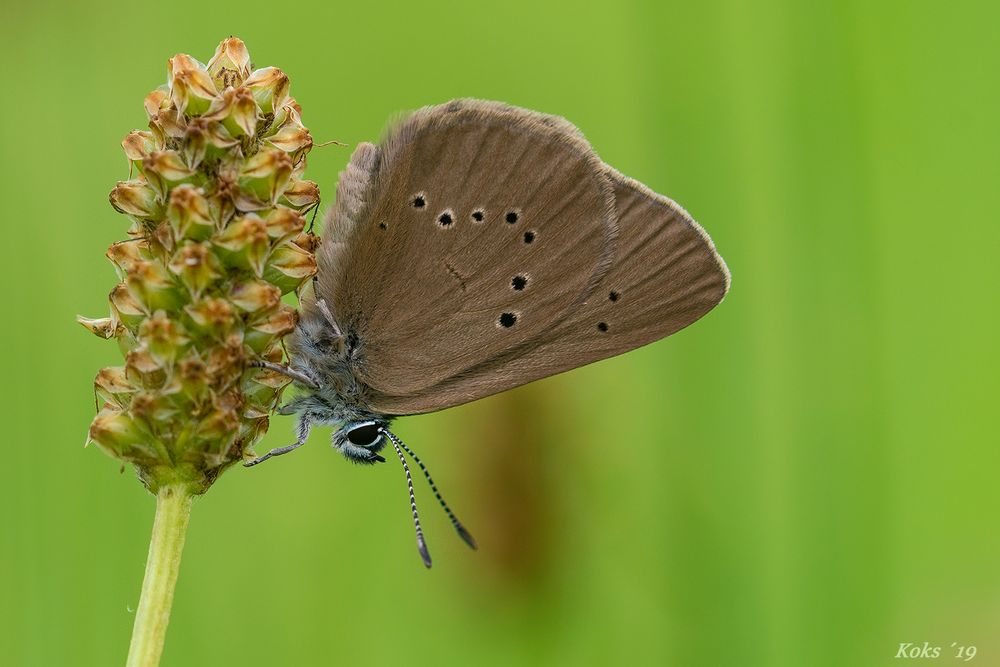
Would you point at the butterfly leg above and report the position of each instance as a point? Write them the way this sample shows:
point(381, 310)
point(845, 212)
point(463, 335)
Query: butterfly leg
point(298, 376)
point(312, 221)
point(303, 431)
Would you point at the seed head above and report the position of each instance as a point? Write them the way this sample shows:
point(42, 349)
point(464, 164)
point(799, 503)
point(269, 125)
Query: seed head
point(216, 204)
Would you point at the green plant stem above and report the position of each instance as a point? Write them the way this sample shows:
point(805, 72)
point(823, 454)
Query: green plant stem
point(173, 509)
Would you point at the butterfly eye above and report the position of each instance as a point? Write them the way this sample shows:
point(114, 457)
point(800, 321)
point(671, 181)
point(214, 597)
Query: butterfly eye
point(365, 435)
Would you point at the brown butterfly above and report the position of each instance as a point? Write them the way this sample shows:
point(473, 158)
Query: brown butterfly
point(479, 247)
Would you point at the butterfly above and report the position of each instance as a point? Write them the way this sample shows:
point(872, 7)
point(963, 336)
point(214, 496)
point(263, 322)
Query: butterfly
point(478, 247)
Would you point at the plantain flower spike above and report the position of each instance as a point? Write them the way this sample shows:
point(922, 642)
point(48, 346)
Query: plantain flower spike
point(217, 212)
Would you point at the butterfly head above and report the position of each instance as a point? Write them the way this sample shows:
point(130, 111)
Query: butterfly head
point(361, 435)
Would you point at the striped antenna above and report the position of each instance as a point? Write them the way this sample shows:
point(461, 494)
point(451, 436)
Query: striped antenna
point(459, 528)
point(421, 544)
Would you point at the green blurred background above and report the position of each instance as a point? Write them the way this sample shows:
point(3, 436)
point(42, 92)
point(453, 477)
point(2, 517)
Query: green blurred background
point(808, 476)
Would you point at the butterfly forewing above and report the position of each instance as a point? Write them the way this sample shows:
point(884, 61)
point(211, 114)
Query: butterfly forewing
point(480, 228)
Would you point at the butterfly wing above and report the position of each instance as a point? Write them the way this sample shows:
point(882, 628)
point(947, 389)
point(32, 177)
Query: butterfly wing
point(473, 228)
point(666, 275)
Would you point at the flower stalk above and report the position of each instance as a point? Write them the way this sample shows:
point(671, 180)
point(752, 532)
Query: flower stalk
point(173, 509)
point(217, 206)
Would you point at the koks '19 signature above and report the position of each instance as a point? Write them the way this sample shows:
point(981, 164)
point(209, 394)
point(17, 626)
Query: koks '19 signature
point(927, 651)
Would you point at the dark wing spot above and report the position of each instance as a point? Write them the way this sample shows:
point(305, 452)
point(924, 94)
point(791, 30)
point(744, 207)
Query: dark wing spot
point(613, 296)
point(382, 225)
point(519, 282)
point(529, 237)
point(507, 320)
point(603, 326)
point(445, 219)
point(419, 201)
point(478, 215)
point(511, 217)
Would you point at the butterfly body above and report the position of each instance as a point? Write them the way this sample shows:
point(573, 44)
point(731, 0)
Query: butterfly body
point(328, 357)
point(479, 247)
